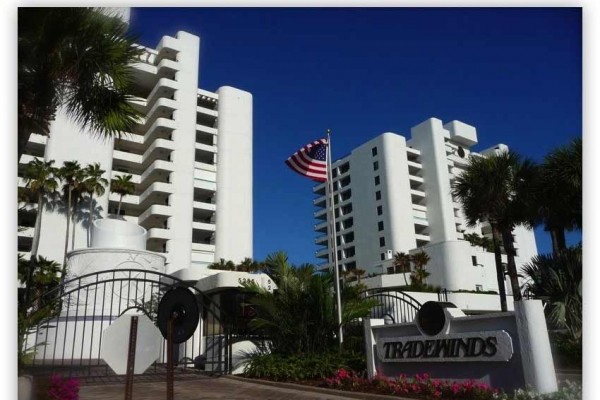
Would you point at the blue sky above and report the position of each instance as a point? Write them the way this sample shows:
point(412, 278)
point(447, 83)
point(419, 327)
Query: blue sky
point(513, 73)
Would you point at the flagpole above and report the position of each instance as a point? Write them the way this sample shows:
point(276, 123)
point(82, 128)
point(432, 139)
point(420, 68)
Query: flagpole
point(333, 240)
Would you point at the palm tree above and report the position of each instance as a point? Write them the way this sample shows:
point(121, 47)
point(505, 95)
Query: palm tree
point(559, 193)
point(41, 180)
point(93, 183)
point(223, 265)
point(492, 189)
point(402, 264)
point(122, 185)
point(299, 317)
point(72, 176)
point(359, 273)
point(79, 59)
point(557, 280)
point(419, 275)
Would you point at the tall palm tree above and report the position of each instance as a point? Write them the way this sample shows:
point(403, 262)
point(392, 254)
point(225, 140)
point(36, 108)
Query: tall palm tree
point(491, 189)
point(41, 179)
point(402, 264)
point(72, 175)
point(78, 59)
point(123, 186)
point(93, 183)
point(419, 275)
point(559, 193)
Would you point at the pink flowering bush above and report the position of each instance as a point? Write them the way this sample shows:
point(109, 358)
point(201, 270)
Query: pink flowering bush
point(419, 386)
point(63, 389)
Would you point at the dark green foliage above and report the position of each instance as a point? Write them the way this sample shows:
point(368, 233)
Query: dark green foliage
point(299, 317)
point(38, 276)
point(79, 59)
point(302, 366)
point(557, 280)
point(566, 352)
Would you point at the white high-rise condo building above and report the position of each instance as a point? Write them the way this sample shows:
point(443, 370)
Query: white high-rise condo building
point(393, 194)
point(190, 158)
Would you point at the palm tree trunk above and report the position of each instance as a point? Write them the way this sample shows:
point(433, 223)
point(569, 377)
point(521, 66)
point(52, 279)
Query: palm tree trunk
point(558, 239)
point(91, 220)
point(119, 209)
point(64, 269)
point(512, 266)
point(499, 269)
point(38, 224)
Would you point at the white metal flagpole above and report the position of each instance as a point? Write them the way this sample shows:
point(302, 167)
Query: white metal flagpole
point(333, 240)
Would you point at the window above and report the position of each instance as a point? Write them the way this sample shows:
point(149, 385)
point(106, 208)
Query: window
point(334, 173)
point(377, 181)
point(479, 288)
point(382, 256)
point(378, 195)
point(380, 226)
point(379, 210)
point(375, 165)
point(381, 241)
point(374, 151)
point(474, 260)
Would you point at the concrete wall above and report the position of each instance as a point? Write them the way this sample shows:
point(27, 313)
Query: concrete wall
point(234, 175)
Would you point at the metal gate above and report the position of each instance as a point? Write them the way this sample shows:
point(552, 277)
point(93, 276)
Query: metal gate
point(69, 339)
point(394, 306)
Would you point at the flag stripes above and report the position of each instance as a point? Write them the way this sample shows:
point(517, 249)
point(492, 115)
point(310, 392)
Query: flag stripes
point(311, 160)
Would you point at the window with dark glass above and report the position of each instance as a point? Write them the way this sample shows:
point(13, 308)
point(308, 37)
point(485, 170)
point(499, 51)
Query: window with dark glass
point(381, 241)
point(379, 210)
point(380, 226)
point(378, 195)
point(374, 151)
point(375, 165)
point(377, 181)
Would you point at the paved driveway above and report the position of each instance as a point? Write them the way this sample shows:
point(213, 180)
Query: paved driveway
point(201, 388)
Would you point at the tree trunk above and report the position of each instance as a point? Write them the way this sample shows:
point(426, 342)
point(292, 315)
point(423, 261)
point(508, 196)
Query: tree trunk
point(119, 209)
point(91, 220)
point(499, 269)
point(507, 239)
point(38, 224)
point(558, 239)
point(64, 268)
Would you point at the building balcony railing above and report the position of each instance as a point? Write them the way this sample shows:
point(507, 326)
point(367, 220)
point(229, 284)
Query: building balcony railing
point(323, 253)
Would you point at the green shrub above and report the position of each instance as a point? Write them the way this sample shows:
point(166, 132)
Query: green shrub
point(566, 351)
point(301, 367)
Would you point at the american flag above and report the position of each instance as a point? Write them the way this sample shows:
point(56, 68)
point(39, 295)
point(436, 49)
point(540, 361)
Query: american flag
point(311, 160)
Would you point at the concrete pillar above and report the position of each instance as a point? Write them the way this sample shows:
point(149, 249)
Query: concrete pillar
point(536, 356)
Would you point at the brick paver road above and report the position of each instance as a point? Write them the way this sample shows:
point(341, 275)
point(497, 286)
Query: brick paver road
point(204, 388)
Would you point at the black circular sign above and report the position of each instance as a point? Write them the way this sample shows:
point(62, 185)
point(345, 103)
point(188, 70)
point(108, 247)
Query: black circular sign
point(431, 317)
point(181, 305)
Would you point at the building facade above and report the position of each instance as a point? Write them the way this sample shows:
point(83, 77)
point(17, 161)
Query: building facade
point(190, 158)
point(394, 195)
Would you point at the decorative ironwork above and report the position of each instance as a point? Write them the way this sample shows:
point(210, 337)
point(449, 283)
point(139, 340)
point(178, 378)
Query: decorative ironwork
point(70, 342)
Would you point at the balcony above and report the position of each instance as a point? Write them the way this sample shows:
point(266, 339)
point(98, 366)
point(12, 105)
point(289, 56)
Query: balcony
point(160, 128)
point(153, 211)
point(203, 226)
point(323, 253)
point(321, 227)
point(158, 234)
point(319, 189)
point(320, 201)
point(202, 247)
point(320, 214)
point(321, 240)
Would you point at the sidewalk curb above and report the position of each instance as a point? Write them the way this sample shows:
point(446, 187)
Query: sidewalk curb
point(307, 388)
